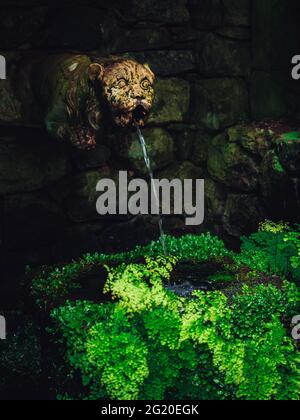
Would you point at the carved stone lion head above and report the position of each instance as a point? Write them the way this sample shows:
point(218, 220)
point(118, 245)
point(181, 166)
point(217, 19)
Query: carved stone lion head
point(127, 89)
point(81, 93)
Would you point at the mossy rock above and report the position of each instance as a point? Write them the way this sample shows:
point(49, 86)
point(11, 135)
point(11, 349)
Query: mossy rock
point(215, 199)
point(160, 148)
point(220, 56)
point(29, 161)
point(78, 194)
point(133, 40)
point(206, 14)
point(288, 149)
point(280, 187)
point(242, 214)
point(220, 103)
point(10, 107)
point(164, 62)
point(167, 11)
point(201, 144)
point(230, 165)
point(172, 101)
point(237, 12)
point(252, 139)
point(271, 174)
point(182, 171)
point(90, 159)
point(236, 33)
point(184, 138)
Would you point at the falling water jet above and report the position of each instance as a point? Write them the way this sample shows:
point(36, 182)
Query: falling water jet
point(156, 193)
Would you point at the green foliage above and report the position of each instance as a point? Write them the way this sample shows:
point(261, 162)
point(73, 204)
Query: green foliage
point(149, 343)
point(292, 238)
point(271, 353)
point(277, 165)
point(196, 248)
point(48, 288)
point(51, 287)
point(117, 353)
point(292, 136)
point(152, 344)
point(274, 249)
point(257, 318)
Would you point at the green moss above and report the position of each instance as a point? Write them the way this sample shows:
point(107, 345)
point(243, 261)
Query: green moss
point(277, 165)
point(292, 136)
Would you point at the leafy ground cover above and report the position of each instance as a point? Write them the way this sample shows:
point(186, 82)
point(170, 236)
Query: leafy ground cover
point(145, 341)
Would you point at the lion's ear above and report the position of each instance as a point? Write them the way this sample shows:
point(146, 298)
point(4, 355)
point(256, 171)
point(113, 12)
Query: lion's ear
point(146, 65)
point(96, 71)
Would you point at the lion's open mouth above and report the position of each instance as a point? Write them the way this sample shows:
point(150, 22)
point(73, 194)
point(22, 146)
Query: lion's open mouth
point(138, 116)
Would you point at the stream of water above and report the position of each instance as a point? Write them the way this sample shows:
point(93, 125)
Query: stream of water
point(155, 192)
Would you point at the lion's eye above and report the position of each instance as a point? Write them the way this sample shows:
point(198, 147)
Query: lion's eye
point(146, 84)
point(121, 83)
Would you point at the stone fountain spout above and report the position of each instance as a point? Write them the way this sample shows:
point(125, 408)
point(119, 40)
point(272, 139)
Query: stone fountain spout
point(74, 95)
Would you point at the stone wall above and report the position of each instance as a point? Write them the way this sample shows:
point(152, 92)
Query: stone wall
point(220, 64)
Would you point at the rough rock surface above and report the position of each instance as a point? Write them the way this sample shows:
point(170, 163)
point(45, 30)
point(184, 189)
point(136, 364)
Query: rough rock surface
point(29, 161)
point(172, 101)
point(229, 164)
point(219, 103)
point(160, 147)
